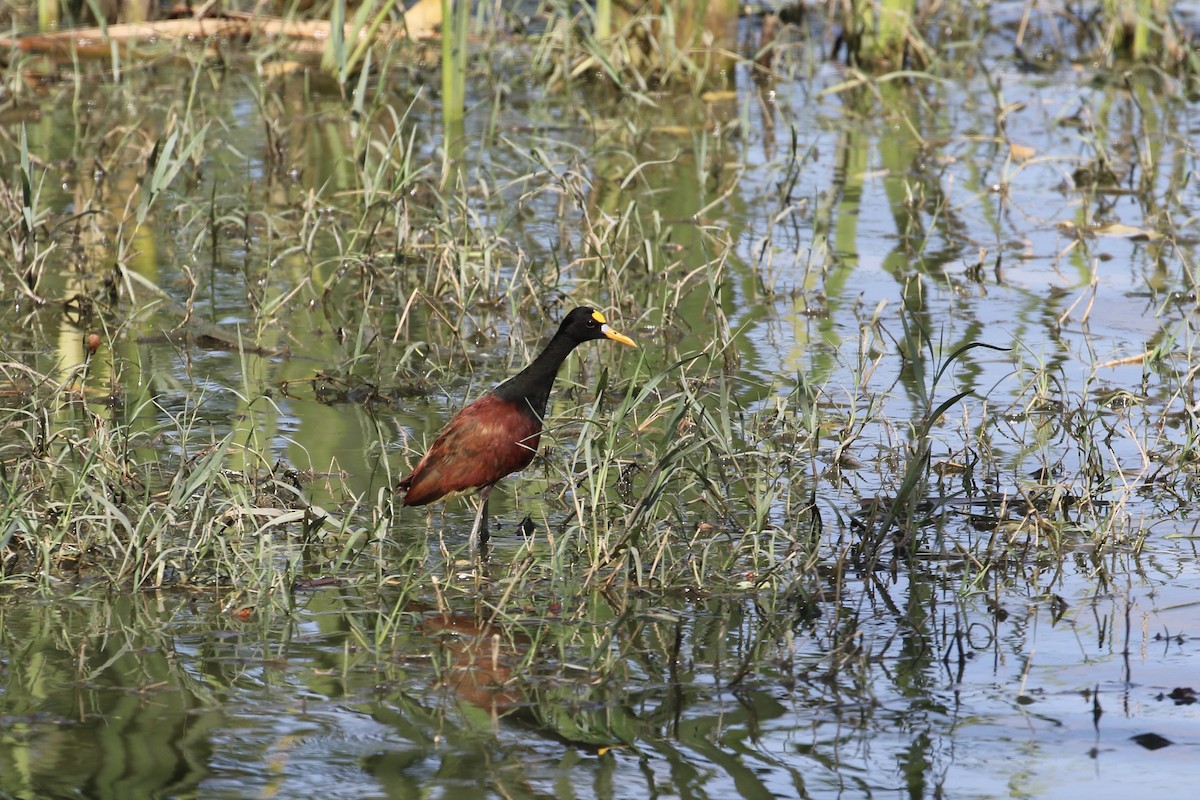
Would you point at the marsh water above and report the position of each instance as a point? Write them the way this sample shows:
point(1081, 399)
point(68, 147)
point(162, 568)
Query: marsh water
point(331, 275)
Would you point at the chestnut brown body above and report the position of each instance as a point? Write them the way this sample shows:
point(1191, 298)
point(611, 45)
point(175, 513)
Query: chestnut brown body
point(485, 442)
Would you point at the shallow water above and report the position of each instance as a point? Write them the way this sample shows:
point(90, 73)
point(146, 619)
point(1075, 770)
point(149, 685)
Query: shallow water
point(929, 676)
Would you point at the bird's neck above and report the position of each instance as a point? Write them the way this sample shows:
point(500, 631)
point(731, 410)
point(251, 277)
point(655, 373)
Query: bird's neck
point(530, 388)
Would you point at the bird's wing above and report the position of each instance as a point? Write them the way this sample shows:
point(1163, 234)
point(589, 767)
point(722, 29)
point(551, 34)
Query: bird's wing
point(486, 441)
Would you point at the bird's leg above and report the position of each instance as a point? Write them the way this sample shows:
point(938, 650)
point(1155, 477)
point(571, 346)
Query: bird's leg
point(479, 532)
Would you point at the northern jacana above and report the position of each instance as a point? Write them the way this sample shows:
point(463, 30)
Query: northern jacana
point(498, 434)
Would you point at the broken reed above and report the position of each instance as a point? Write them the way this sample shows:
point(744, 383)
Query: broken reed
point(454, 60)
point(48, 16)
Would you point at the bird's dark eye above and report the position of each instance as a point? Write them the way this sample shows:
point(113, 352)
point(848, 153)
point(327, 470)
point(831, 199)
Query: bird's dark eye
point(591, 322)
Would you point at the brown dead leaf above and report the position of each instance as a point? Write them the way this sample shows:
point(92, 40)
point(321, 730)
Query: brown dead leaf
point(1020, 152)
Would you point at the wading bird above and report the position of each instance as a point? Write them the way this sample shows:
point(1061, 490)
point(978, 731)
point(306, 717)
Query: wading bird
point(498, 434)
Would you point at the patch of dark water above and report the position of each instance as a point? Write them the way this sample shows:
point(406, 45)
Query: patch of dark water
point(902, 686)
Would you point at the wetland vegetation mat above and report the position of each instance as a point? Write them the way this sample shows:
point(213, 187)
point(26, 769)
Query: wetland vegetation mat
point(898, 495)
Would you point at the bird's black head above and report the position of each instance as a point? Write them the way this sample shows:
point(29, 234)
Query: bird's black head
point(584, 324)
